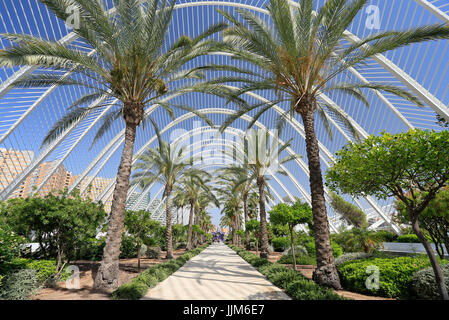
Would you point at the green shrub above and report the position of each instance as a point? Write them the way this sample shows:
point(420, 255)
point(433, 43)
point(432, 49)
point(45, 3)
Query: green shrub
point(300, 259)
point(352, 256)
point(133, 290)
point(408, 238)
point(282, 279)
point(272, 268)
point(92, 249)
point(153, 252)
point(159, 273)
point(387, 236)
point(424, 285)
point(280, 244)
point(395, 275)
point(336, 248)
point(259, 262)
point(45, 269)
point(150, 280)
point(304, 289)
point(20, 285)
point(10, 243)
point(128, 247)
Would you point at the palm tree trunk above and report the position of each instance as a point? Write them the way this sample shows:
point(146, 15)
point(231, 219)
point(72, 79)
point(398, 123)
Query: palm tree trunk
point(195, 234)
point(182, 215)
point(292, 242)
point(108, 273)
point(189, 232)
point(168, 222)
point(263, 218)
point(439, 276)
point(326, 272)
point(245, 209)
point(138, 254)
point(177, 215)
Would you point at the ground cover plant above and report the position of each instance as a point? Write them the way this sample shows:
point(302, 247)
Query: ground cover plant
point(293, 282)
point(138, 287)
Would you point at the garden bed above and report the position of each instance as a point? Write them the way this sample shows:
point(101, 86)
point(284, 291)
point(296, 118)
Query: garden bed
point(88, 269)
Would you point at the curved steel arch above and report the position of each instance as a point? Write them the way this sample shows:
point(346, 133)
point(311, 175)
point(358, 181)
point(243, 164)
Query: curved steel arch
point(426, 4)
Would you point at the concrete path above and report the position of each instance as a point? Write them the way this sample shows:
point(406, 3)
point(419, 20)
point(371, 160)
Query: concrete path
point(217, 273)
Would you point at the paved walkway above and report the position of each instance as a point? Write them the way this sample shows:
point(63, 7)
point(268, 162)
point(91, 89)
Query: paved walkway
point(217, 273)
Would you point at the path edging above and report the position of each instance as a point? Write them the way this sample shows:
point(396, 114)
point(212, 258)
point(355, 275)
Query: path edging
point(139, 286)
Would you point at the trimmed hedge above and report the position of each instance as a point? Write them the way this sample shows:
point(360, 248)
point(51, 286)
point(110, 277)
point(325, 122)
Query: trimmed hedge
point(284, 278)
point(139, 286)
point(395, 275)
point(408, 238)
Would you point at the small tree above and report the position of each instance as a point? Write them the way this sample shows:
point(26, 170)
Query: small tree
point(397, 166)
point(60, 223)
point(253, 226)
point(140, 225)
point(349, 212)
point(434, 219)
point(283, 214)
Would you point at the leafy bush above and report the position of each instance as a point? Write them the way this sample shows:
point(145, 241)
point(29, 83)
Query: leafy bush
point(153, 252)
point(282, 279)
point(395, 275)
point(133, 290)
point(280, 244)
point(128, 247)
point(408, 238)
point(387, 236)
point(20, 285)
point(304, 289)
point(92, 249)
point(352, 256)
point(159, 273)
point(424, 285)
point(300, 259)
point(310, 246)
point(45, 269)
point(10, 243)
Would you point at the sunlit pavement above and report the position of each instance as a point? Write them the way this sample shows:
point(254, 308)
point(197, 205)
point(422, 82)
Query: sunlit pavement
point(217, 273)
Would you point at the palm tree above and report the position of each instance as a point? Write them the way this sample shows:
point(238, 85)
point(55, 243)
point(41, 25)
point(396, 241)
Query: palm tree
point(165, 165)
point(203, 201)
point(244, 185)
point(262, 158)
point(129, 68)
point(300, 57)
point(232, 199)
point(179, 201)
point(192, 184)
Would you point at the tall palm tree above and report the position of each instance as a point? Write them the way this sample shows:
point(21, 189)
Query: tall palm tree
point(262, 158)
point(179, 201)
point(192, 184)
point(204, 200)
point(300, 57)
point(232, 199)
point(129, 68)
point(244, 184)
point(165, 164)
